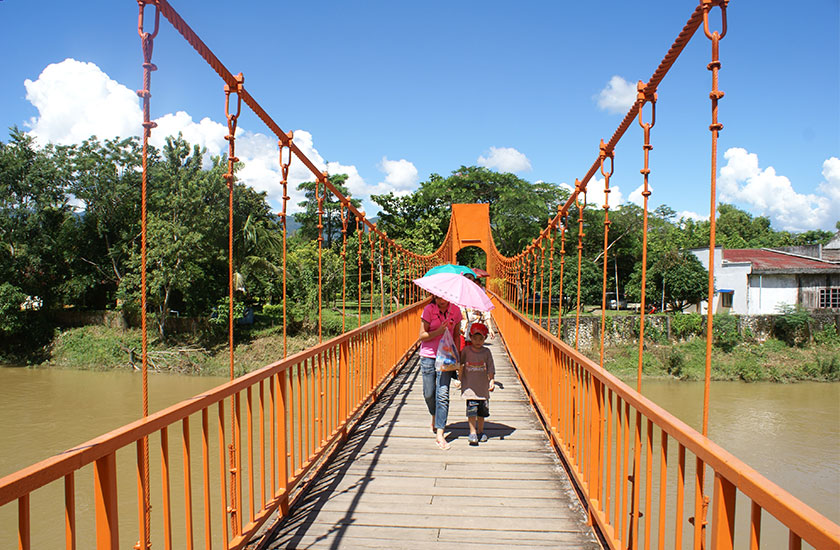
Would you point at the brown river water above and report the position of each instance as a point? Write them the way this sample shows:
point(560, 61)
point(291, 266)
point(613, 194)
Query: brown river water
point(788, 432)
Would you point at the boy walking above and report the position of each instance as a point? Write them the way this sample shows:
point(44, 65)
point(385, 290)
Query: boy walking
point(476, 372)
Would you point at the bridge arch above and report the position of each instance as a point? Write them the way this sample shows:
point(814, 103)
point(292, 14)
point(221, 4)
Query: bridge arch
point(469, 226)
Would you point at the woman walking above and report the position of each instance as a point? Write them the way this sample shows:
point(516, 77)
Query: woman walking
point(437, 317)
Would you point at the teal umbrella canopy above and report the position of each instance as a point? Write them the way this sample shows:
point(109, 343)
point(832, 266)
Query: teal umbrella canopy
point(450, 268)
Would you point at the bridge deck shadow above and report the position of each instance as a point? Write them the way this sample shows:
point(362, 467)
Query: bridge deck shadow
point(391, 487)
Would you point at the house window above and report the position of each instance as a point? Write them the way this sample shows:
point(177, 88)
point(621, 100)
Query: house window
point(830, 297)
point(726, 299)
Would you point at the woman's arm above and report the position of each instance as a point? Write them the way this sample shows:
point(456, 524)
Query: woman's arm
point(426, 334)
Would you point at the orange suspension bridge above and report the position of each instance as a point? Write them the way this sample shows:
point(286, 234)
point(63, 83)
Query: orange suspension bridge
point(266, 449)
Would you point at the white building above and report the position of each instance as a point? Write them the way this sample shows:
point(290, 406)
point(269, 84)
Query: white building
point(759, 281)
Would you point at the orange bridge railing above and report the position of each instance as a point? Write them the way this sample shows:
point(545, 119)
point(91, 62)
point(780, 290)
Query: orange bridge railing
point(286, 418)
point(639, 470)
point(631, 461)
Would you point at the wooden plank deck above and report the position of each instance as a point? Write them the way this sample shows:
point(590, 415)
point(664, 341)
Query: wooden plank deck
point(390, 487)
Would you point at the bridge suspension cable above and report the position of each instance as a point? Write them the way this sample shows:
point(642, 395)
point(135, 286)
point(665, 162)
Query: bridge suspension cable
point(306, 403)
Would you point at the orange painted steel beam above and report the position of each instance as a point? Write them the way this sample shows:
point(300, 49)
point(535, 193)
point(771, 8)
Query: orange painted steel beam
point(105, 498)
point(231, 80)
point(26, 480)
point(807, 524)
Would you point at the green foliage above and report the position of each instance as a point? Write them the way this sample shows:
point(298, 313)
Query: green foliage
point(676, 362)
point(519, 209)
point(653, 331)
point(273, 313)
point(679, 272)
point(331, 322)
point(218, 321)
point(96, 348)
point(791, 325)
point(590, 283)
point(725, 335)
point(90, 257)
point(828, 335)
point(827, 367)
point(749, 371)
point(687, 325)
point(331, 211)
point(36, 223)
point(11, 315)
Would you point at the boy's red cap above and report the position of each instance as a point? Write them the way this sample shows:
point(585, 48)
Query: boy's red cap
point(478, 327)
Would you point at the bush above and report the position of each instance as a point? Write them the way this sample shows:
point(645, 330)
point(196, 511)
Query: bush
point(218, 322)
point(687, 325)
point(331, 322)
point(653, 332)
point(676, 362)
point(828, 335)
point(828, 367)
point(273, 313)
point(749, 371)
point(791, 325)
point(11, 315)
point(725, 335)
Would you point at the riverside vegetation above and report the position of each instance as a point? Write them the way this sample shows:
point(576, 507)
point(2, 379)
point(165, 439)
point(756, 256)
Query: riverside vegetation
point(70, 241)
point(795, 352)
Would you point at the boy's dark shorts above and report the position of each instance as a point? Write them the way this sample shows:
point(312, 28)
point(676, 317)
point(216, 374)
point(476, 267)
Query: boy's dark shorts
point(478, 407)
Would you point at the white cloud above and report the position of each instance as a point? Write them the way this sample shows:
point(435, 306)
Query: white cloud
point(689, 215)
point(505, 159)
point(636, 196)
point(618, 96)
point(595, 194)
point(206, 133)
point(76, 100)
point(762, 191)
point(401, 176)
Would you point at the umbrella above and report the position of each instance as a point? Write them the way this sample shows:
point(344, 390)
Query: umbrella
point(480, 272)
point(457, 289)
point(450, 268)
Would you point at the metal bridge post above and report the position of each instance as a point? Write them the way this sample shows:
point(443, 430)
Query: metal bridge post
point(105, 488)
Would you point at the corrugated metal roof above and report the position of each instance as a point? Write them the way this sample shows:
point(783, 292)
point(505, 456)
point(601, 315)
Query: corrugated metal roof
point(773, 261)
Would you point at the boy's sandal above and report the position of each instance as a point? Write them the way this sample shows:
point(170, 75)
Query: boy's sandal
point(443, 445)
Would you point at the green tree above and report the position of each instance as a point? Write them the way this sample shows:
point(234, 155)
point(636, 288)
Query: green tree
point(105, 179)
point(331, 213)
point(186, 234)
point(302, 280)
point(679, 273)
point(519, 210)
point(36, 219)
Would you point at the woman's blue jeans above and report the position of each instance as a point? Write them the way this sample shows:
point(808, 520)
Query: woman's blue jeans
point(435, 391)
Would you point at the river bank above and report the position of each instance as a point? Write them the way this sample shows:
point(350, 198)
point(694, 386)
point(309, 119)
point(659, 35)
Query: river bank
point(768, 361)
point(105, 348)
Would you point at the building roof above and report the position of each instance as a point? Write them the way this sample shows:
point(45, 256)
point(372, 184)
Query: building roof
point(764, 260)
point(834, 243)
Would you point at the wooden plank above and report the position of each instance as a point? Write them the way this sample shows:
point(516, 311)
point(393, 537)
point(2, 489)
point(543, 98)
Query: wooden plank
point(391, 487)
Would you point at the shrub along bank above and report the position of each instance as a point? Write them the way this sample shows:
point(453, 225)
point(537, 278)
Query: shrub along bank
point(800, 350)
point(99, 347)
point(795, 346)
point(769, 361)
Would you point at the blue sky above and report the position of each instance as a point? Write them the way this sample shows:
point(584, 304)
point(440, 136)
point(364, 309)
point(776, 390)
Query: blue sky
point(391, 92)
